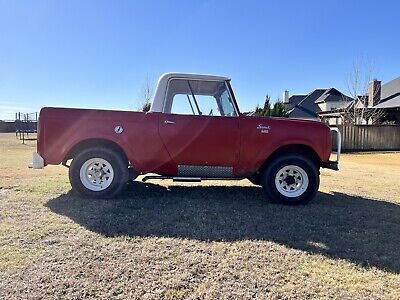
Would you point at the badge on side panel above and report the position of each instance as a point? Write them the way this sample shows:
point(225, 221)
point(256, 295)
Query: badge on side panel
point(118, 129)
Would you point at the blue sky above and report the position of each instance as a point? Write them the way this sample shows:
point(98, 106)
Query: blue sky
point(98, 53)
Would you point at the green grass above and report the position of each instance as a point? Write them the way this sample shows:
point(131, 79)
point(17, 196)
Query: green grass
point(210, 240)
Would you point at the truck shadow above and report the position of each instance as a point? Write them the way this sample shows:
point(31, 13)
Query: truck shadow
point(360, 230)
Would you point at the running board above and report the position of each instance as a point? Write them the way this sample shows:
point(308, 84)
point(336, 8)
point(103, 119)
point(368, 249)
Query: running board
point(186, 179)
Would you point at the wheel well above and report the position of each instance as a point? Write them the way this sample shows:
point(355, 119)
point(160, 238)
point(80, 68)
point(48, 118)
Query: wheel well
point(293, 149)
point(94, 143)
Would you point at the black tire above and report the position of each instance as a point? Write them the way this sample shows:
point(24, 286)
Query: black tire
point(119, 167)
point(255, 179)
point(277, 192)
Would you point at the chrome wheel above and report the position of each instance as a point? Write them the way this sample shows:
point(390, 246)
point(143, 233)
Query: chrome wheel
point(96, 174)
point(291, 181)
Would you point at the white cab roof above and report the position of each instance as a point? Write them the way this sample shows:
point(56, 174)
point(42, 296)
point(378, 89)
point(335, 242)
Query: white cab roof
point(168, 76)
point(158, 101)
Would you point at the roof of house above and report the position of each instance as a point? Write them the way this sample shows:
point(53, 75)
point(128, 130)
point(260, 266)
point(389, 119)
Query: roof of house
point(332, 95)
point(391, 103)
point(390, 94)
point(293, 101)
point(390, 88)
point(307, 108)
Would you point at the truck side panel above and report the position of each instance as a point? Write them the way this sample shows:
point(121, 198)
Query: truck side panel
point(61, 129)
point(261, 136)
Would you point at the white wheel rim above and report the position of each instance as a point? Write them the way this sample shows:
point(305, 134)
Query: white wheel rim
point(96, 174)
point(291, 181)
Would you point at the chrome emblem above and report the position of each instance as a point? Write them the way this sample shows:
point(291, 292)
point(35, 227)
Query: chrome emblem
point(118, 129)
point(264, 128)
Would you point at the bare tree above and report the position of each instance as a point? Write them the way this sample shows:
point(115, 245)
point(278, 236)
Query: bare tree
point(359, 111)
point(146, 94)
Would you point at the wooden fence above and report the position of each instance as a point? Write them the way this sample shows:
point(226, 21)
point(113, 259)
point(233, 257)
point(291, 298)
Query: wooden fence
point(369, 137)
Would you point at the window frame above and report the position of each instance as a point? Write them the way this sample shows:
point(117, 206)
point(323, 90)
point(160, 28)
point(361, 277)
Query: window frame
point(233, 100)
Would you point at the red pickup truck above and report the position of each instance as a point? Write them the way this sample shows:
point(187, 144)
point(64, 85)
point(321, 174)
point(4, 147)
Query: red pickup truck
point(194, 131)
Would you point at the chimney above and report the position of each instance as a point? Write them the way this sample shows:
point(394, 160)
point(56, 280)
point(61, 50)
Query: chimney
point(286, 96)
point(374, 92)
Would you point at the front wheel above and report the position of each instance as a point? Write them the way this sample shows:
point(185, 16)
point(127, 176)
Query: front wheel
point(98, 173)
point(291, 179)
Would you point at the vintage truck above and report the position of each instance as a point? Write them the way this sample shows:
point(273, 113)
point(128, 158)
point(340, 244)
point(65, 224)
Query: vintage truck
point(194, 131)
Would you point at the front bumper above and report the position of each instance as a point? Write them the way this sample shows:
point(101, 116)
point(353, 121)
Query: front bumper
point(37, 161)
point(334, 164)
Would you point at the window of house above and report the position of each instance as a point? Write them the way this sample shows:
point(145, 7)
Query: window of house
point(197, 97)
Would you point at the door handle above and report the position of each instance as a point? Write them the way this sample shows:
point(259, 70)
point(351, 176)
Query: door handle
point(169, 122)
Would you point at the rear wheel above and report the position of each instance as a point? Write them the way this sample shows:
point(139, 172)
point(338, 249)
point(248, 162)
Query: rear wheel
point(98, 173)
point(291, 179)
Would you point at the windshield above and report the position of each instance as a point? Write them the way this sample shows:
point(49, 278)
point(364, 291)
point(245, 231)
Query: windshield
point(197, 97)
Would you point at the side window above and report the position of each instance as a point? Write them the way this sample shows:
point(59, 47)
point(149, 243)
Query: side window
point(227, 104)
point(208, 105)
point(181, 105)
point(198, 97)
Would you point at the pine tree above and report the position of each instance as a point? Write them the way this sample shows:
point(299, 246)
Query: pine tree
point(266, 110)
point(278, 110)
point(258, 111)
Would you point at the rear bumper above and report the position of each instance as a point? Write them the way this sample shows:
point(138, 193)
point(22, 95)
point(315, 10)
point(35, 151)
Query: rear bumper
point(37, 161)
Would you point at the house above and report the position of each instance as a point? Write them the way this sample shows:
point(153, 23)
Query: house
point(389, 100)
point(381, 101)
point(310, 106)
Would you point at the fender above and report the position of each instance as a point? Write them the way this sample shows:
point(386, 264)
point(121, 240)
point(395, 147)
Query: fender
point(258, 144)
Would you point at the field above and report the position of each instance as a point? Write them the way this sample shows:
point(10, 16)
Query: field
point(210, 240)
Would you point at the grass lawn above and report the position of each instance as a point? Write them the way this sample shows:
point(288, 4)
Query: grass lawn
point(210, 240)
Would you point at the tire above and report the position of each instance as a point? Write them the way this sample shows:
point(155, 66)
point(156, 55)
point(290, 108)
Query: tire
point(98, 173)
point(291, 179)
point(254, 179)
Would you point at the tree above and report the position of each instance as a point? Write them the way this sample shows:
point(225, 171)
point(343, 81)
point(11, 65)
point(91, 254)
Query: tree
point(145, 94)
point(358, 111)
point(266, 110)
point(278, 110)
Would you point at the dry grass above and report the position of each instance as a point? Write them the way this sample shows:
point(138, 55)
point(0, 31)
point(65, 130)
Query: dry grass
point(218, 240)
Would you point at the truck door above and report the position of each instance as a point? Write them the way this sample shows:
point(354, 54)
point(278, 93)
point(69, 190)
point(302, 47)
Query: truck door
point(200, 128)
